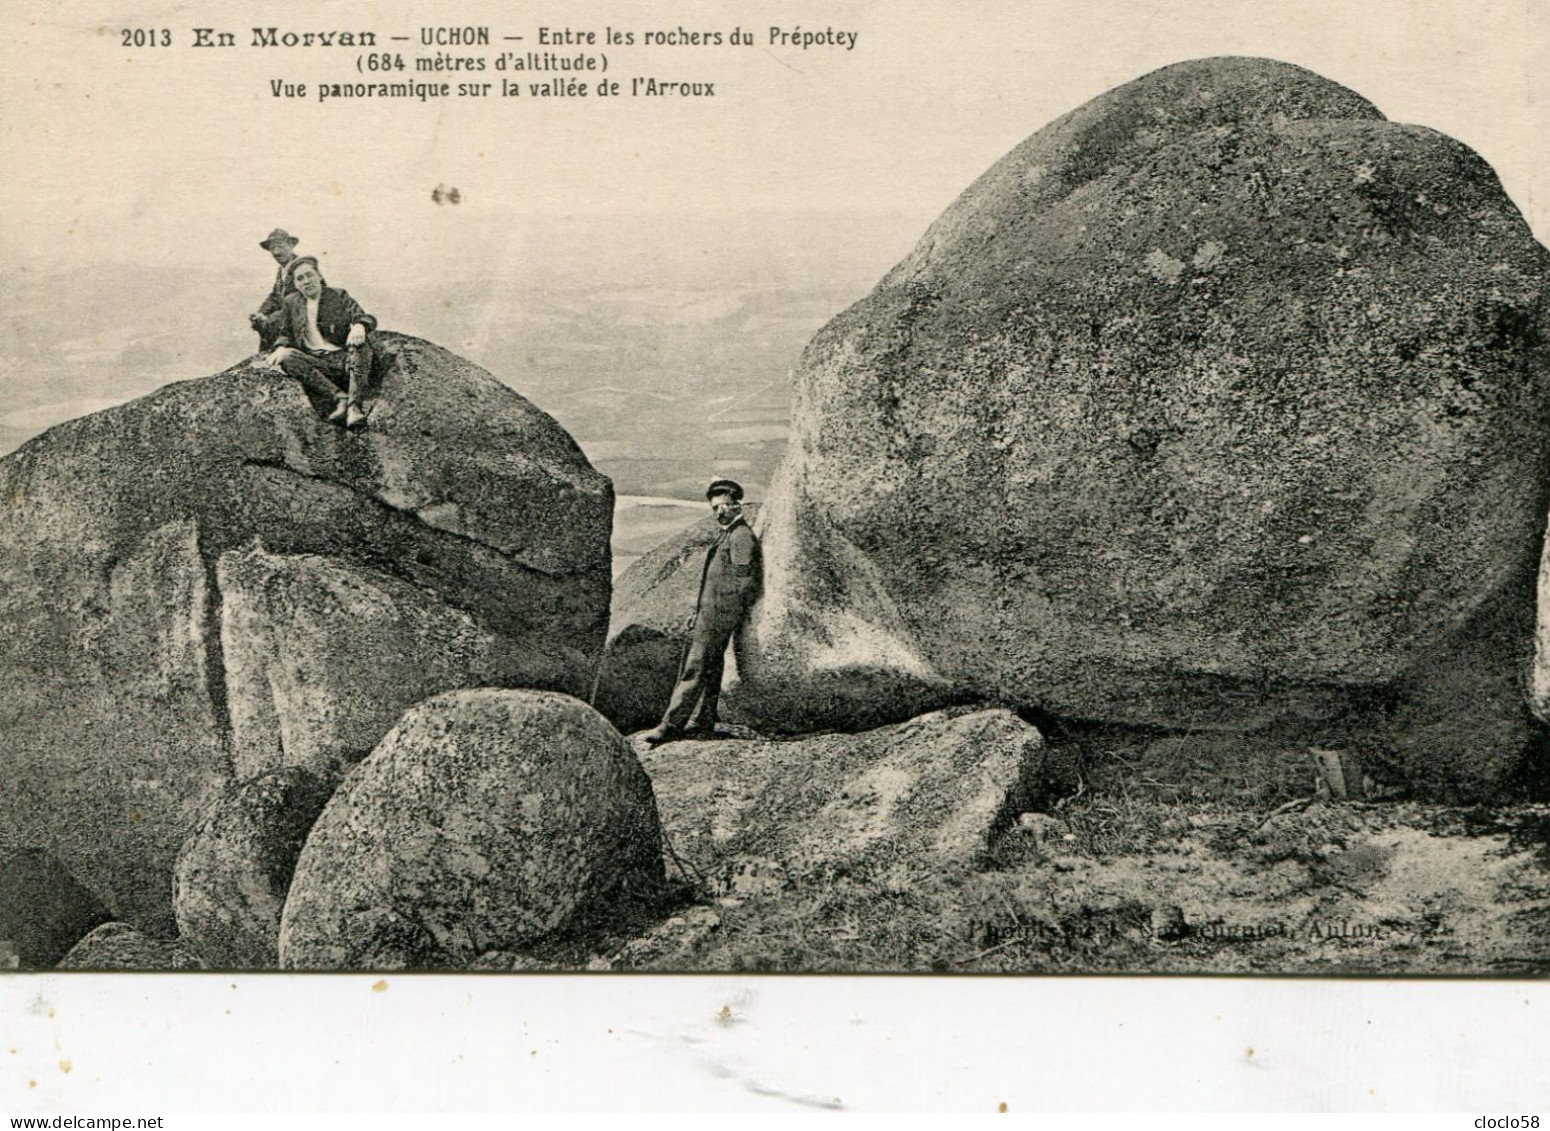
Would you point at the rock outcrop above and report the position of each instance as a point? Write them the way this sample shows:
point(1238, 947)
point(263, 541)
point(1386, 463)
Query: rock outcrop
point(118, 946)
point(1217, 404)
point(462, 523)
point(234, 872)
point(326, 657)
point(485, 821)
point(892, 804)
point(44, 910)
point(647, 631)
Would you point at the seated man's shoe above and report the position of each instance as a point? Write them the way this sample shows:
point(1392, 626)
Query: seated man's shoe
point(355, 418)
point(340, 413)
point(700, 731)
point(660, 735)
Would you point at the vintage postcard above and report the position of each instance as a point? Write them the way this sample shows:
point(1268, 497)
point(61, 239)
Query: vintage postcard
point(816, 488)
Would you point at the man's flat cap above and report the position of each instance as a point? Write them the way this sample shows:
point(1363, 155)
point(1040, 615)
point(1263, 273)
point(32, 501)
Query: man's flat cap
point(725, 487)
point(279, 235)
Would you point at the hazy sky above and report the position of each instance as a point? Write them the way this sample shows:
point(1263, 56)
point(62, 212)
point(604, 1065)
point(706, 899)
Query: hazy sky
point(141, 153)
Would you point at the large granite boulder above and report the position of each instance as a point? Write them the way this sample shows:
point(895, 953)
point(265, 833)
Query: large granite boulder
point(462, 511)
point(485, 821)
point(325, 657)
point(648, 630)
point(1218, 403)
point(44, 910)
point(894, 804)
point(234, 871)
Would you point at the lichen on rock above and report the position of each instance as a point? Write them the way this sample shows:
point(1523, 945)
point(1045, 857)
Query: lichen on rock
point(461, 510)
point(487, 820)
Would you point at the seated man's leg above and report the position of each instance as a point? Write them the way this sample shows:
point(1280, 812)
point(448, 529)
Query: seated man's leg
point(358, 366)
point(316, 372)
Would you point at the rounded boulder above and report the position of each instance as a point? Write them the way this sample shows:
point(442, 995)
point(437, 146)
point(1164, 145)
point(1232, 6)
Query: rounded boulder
point(118, 946)
point(1217, 404)
point(485, 820)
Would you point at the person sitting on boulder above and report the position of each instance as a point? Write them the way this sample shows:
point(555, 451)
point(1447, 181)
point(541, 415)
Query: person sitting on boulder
point(325, 343)
point(729, 585)
point(282, 246)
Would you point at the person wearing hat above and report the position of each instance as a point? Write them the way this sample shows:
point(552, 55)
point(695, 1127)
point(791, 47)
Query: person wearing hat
point(324, 342)
point(729, 585)
point(270, 317)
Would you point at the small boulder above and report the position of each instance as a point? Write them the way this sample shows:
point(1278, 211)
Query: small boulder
point(927, 795)
point(44, 910)
point(1043, 828)
point(485, 821)
point(118, 946)
point(233, 873)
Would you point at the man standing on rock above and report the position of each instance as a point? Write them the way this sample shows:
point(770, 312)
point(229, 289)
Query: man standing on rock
point(269, 320)
point(324, 343)
point(729, 585)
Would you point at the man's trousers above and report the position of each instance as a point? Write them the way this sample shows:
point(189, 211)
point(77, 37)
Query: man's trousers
point(699, 683)
point(341, 372)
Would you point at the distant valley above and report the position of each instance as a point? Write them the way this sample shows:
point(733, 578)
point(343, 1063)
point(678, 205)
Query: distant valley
point(668, 363)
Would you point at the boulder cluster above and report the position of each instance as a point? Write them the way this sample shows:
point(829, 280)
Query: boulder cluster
point(220, 608)
point(1218, 406)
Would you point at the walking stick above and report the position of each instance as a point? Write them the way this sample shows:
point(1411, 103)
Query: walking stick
point(597, 678)
point(683, 657)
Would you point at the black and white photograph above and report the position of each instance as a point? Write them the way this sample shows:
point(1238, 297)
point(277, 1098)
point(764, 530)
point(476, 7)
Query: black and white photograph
point(986, 493)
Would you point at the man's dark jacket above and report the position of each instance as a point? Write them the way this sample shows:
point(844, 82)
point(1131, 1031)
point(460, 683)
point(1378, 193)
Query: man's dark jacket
point(337, 311)
point(730, 579)
point(273, 310)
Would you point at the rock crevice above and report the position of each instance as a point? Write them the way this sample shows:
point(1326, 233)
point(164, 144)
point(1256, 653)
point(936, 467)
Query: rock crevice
point(388, 508)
